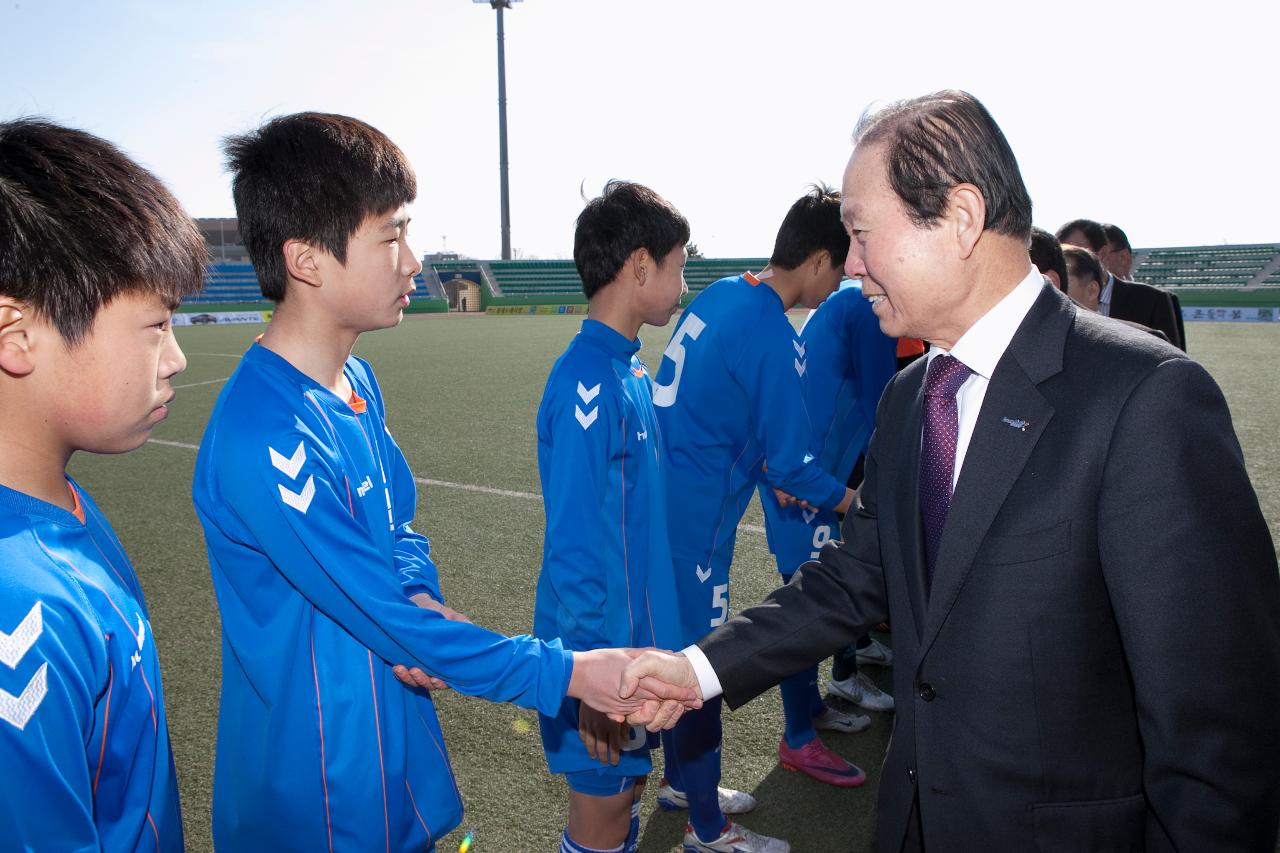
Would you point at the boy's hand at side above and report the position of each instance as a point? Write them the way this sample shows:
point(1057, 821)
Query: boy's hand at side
point(600, 735)
point(425, 601)
point(414, 677)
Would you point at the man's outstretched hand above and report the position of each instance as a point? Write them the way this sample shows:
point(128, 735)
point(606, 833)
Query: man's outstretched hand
point(659, 674)
point(598, 675)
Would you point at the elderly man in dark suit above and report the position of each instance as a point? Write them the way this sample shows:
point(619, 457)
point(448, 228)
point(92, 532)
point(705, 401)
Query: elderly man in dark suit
point(1119, 262)
point(1057, 520)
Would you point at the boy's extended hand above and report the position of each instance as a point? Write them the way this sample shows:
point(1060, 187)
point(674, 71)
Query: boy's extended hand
point(659, 673)
point(596, 678)
point(600, 735)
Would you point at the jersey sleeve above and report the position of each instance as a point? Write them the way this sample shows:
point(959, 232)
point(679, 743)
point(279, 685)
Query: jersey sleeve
point(56, 666)
point(577, 481)
point(770, 366)
point(297, 514)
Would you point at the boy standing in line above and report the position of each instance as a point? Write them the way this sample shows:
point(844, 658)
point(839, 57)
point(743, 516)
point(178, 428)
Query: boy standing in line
point(848, 363)
point(606, 568)
point(306, 503)
point(95, 255)
point(731, 408)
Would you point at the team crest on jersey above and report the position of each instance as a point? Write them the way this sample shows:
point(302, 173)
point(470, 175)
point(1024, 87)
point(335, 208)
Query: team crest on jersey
point(17, 710)
point(291, 466)
point(585, 418)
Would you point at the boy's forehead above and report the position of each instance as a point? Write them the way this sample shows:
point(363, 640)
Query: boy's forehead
point(387, 220)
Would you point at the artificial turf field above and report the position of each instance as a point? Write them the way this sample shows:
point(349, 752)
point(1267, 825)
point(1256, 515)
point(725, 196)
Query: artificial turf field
point(462, 394)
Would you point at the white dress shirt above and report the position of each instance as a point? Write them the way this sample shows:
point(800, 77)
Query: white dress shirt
point(1104, 298)
point(980, 349)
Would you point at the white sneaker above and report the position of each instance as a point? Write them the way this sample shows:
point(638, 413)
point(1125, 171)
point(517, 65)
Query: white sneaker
point(731, 801)
point(834, 720)
point(735, 839)
point(862, 692)
point(876, 654)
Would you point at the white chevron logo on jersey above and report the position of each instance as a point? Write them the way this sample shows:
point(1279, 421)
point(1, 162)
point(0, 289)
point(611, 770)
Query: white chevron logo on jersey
point(17, 710)
point(800, 366)
point(809, 515)
point(300, 501)
point(293, 464)
point(799, 348)
point(140, 636)
point(586, 419)
point(588, 394)
point(13, 647)
point(702, 573)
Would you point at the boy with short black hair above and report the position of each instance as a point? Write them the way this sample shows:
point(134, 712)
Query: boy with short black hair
point(95, 255)
point(606, 569)
point(306, 503)
point(731, 405)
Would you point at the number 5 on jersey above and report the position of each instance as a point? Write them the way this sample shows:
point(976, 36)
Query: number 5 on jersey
point(690, 327)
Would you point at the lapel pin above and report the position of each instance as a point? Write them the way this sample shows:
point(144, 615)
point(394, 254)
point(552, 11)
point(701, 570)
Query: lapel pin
point(1017, 423)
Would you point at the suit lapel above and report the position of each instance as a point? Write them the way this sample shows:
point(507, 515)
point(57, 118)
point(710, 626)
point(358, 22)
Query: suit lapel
point(906, 504)
point(1013, 416)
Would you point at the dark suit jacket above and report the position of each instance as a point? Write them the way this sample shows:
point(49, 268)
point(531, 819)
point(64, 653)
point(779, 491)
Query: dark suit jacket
point(1097, 665)
point(1177, 315)
point(1150, 306)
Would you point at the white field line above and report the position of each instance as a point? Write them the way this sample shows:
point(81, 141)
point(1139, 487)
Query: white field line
point(197, 384)
point(445, 484)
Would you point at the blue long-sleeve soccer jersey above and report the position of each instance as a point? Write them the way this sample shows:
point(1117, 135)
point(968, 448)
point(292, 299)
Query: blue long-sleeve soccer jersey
point(85, 762)
point(306, 503)
point(850, 361)
point(606, 576)
point(730, 401)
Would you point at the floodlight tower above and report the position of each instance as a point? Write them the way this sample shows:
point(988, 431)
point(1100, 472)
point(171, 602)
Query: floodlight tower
point(498, 6)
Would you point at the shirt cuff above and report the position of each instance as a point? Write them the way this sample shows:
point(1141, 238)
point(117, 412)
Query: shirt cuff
point(708, 682)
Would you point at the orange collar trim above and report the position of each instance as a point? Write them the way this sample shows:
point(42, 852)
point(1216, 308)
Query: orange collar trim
point(76, 508)
point(750, 279)
point(357, 403)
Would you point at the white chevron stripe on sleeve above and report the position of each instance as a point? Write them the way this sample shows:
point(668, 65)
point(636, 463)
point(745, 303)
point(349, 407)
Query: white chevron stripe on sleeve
point(17, 710)
point(588, 394)
point(301, 501)
point(13, 647)
point(292, 465)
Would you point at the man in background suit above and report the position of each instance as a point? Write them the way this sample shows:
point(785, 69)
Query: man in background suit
point(1083, 589)
point(1046, 254)
point(1124, 300)
point(1119, 262)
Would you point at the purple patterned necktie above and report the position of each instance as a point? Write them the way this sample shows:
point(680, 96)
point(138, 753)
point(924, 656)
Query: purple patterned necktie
point(938, 449)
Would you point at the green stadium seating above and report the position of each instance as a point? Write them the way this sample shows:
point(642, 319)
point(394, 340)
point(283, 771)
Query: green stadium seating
point(1205, 266)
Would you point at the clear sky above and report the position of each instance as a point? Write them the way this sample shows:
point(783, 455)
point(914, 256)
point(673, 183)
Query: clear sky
point(1160, 117)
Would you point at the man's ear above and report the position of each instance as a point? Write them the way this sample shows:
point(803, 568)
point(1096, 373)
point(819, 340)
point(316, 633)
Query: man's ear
point(641, 265)
point(301, 263)
point(15, 340)
point(967, 213)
